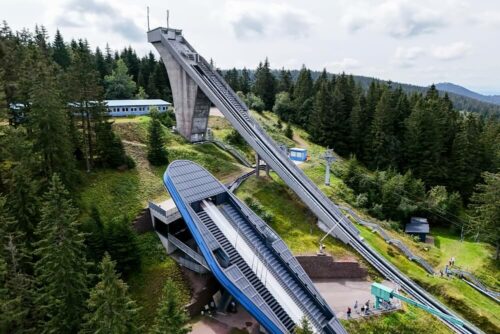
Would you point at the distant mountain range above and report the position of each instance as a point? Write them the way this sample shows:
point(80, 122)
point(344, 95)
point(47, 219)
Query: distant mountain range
point(463, 99)
point(452, 88)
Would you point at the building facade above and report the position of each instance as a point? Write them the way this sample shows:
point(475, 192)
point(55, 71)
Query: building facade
point(118, 108)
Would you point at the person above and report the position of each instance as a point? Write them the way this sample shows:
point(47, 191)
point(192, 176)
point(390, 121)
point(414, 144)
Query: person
point(356, 306)
point(362, 309)
point(452, 260)
point(441, 272)
point(348, 312)
point(367, 308)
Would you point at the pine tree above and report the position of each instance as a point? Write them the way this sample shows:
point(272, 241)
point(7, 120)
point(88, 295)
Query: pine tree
point(119, 84)
point(86, 95)
point(109, 147)
point(100, 64)
point(60, 52)
point(111, 310)
point(320, 116)
point(305, 327)
point(95, 239)
point(121, 243)
point(171, 318)
point(285, 82)
point(61, 271)
point(303, 97)
point(157, 154)
point(3, 101)
point(486, 207)
point(265, 85)
point(423, 144)
point(16, 286)
point(288, 131)
point(245, 84)
point(19, 179)
point(232, 77)
point(338, 124)
point(358, 125)
point(49, 126)
point(466, 157)
point(385, 145)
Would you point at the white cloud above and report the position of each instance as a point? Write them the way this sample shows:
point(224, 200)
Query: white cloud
point(344, 64)
point(451, 51)
point(250, 19)
point(406, 57)
point(398, 18)
point(98, 14)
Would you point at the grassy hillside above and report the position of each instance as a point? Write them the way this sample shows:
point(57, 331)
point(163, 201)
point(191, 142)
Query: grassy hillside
point(127, 192)
point(455, 293)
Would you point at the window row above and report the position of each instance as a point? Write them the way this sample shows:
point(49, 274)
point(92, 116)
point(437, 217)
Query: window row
point(114, 109)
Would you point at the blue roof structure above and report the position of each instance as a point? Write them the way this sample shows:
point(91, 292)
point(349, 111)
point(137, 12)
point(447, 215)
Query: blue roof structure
point(276, 292)
point(136, 103)
point(417, 225)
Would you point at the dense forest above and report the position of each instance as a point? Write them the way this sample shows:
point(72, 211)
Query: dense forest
point(426, 156)
point(61, 271)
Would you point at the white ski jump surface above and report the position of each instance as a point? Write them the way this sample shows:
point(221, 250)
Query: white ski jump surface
point(253, 261)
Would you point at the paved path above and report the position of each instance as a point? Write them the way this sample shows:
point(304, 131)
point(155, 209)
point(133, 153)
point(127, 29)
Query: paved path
point(340, 294)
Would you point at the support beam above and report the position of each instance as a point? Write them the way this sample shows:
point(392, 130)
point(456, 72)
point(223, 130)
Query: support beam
point(257, 165)
point(191, 105)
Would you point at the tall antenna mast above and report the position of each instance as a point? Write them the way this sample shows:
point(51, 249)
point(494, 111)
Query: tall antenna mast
point(148, 18)
point(168, 17)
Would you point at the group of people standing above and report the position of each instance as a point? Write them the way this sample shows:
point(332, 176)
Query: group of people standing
point(364, 310)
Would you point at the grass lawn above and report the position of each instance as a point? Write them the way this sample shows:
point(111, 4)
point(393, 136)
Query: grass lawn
point(412, 320)
point(127, 192)
point(292, 220)
point(475, 257)
point(455, 293)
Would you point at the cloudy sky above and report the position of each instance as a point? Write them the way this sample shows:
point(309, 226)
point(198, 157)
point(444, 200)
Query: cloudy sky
point(417, 42)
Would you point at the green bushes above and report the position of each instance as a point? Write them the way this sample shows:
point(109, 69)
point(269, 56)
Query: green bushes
point(256, 207)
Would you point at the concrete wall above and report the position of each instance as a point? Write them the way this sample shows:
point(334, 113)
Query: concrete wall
point(191, 105)
point(324, 267)
point(142, 223)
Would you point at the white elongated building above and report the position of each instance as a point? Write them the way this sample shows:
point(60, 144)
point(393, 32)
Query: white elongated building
point(135, 107)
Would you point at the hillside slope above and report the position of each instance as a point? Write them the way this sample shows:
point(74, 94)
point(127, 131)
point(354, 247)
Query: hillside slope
point(456, 89)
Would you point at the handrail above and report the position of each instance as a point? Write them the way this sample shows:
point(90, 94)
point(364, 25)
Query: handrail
point(275, 275)
point(396, 242)
point(188, 251)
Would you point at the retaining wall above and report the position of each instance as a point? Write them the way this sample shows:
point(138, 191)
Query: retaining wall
point(324, 267)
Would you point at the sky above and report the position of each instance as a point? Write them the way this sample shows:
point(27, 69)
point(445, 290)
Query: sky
point(419, 42)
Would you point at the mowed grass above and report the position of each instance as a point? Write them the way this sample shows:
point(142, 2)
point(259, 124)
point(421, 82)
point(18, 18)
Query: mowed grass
point(471, 304)
point(293, 221)
point(411, 320)
point(475, 257)
point(127, 192)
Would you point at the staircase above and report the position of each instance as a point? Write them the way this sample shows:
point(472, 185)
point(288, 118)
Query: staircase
point(237, 260)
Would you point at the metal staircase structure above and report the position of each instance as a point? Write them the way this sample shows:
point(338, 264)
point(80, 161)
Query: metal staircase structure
point(245, 255)
point(173, 47)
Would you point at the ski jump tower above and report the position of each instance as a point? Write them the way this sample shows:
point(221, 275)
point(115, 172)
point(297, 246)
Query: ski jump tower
point(191, 104)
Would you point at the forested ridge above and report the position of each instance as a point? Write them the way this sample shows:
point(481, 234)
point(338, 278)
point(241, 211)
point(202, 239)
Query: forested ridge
point(63, 271)
point(62, 267)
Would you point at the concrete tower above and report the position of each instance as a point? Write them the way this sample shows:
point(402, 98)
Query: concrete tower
point(191, 104)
